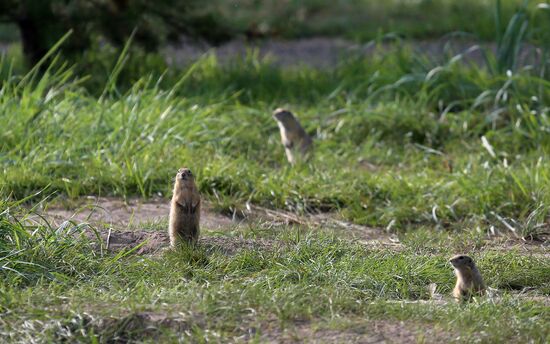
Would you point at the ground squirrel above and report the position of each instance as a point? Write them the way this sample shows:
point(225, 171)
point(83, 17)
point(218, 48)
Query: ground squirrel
point(293, 136)
point(468, 278)
point(185, 209)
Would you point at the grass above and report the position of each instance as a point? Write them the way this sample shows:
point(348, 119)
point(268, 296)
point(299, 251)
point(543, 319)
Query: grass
point(450, 156)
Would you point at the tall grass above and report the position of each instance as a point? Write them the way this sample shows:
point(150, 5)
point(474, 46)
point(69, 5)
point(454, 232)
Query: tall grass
point(32, 250)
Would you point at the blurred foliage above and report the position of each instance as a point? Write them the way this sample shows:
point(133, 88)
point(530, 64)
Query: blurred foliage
point(43, 23)
point(99, 23)
point(364, 20)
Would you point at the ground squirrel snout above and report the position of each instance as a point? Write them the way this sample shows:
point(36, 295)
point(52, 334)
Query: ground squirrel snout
point(468, 278)
point(293, 136)
point(185, 209)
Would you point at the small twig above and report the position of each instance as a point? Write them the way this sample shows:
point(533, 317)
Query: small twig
point(503, 221)
point(109, 238)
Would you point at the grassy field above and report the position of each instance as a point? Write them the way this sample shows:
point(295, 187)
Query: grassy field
point(447, 156)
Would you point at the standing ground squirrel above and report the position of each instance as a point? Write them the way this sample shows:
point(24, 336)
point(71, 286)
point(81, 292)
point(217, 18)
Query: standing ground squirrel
point(468, 278)
point(293, 136)
point(185, 209)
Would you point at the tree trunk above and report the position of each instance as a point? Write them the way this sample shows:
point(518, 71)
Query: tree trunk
point(34, 46)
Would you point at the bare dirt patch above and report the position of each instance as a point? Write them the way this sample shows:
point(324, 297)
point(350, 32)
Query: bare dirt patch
point(155, 242)
point(129, 219)
point(118, 213)
point(325, 221)
point(142, 224)
point(365, 331)
point(133, 221)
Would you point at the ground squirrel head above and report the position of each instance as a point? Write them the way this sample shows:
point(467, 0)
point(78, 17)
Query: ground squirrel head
point(185, 177)
point(461, 262)
point(282, 115)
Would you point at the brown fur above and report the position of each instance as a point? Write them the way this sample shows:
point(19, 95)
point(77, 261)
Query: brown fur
point(185, 209)
point(293, 136)
point(468, 279)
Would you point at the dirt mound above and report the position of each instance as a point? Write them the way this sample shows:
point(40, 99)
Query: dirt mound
point(142, 225)
point(148, 242)
point(112, 212)
point(137, 215)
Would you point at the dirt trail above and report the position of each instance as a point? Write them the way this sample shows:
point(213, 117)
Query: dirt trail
point(132, 213)
point(325, 52)
point(125, 224)
point(150, 242)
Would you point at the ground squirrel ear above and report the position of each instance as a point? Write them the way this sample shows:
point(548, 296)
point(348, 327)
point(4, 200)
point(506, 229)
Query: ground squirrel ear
point(279, 112)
